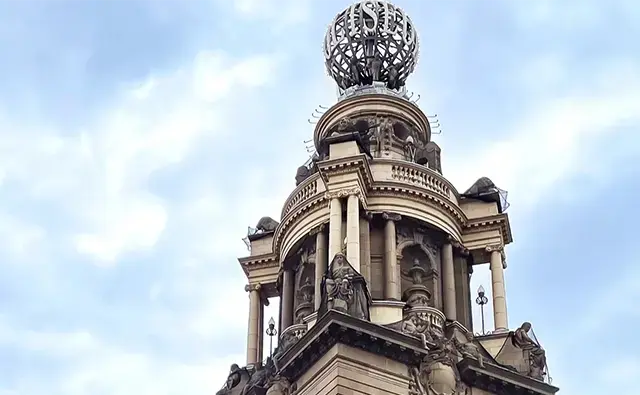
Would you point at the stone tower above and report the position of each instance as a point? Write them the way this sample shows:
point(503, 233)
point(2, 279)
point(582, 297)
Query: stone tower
point(374, 251)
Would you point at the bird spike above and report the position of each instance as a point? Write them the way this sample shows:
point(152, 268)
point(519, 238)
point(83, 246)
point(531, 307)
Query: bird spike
point(313, 123)
point(432, 116)
point(308, 141)
point(417, 100)
point(410, 96)
point(314, 115)
point(323, 107)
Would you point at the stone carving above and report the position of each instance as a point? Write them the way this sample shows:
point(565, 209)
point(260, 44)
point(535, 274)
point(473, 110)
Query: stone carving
point(414, 326)
point(280, 386)
point(469, 349)
point(305, 300)
point(267, 224)
point(417, 294)
point(344, 290)
point(429, 156)
point(437, 374)
point(302, 174)
point(537, 355)
point(235, 377)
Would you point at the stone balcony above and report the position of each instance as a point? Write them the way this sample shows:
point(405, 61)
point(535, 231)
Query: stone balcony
point(384, 172)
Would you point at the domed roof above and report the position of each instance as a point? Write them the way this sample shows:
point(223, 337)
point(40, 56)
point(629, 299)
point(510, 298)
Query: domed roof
point(369, 42)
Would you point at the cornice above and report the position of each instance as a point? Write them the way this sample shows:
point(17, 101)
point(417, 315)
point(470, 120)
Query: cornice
point(500, 380)
point(335, 327)
point(258, 261)
point(501, 220)
point(407, 191)
point(358, 163)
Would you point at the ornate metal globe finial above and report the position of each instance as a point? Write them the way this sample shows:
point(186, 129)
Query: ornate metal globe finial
point(371, 41)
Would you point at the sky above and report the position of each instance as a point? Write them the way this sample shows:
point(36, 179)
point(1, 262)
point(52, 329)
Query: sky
point(139, 139)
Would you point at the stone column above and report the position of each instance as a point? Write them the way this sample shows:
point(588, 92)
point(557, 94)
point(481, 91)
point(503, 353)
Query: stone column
point(448, 282)
point(391, 267)
point(353, 231)
point(253, 332)
point(288, 284)
point(365, 248)
point(321, 264)
point(498, 289)
point(335, 227)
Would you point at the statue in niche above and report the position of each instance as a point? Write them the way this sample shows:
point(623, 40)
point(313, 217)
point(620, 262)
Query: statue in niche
point(537, 355)
point(344, 290)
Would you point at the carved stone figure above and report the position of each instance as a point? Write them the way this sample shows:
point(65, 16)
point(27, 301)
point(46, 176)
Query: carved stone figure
point(537, 355)
point(411, 327)
point(394, 82)
point(437, 373)
point(344, 289)
point(375, 66)
point(279, 386)
point(469, 349)
point(267, 224)
point(354, 69)
point(233, 380)
point(302, 174)
point(260, 378)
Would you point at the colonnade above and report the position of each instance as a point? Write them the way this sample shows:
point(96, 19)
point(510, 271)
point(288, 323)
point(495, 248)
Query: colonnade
point(330, 241)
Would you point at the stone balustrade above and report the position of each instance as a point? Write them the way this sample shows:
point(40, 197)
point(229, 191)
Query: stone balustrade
point(383, 170)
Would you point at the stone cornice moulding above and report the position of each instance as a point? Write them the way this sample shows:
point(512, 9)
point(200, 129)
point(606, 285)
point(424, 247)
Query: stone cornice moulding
point(264, 260)
point(500, 221)
point(354, 164)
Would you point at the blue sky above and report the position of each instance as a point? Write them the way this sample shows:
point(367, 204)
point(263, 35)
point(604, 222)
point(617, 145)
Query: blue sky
point(139, 139)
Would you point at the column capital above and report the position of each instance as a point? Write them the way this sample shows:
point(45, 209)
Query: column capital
point(318, 229)
point(368, 215)
point(495, 247)
point(252, 287)
point(499, 248)
point(342, 193)
point(387, 216)
point(457, 246)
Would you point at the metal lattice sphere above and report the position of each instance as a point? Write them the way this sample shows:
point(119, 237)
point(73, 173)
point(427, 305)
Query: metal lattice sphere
point(371, 41)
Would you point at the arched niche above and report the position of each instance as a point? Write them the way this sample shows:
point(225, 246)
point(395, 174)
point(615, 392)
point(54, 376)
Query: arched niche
point(304, 283)
point(412, 252)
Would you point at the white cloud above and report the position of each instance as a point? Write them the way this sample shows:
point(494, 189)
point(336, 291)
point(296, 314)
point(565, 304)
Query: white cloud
point(101, 174)
point(94, 366)
point(281, 13)
point(549, 141)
